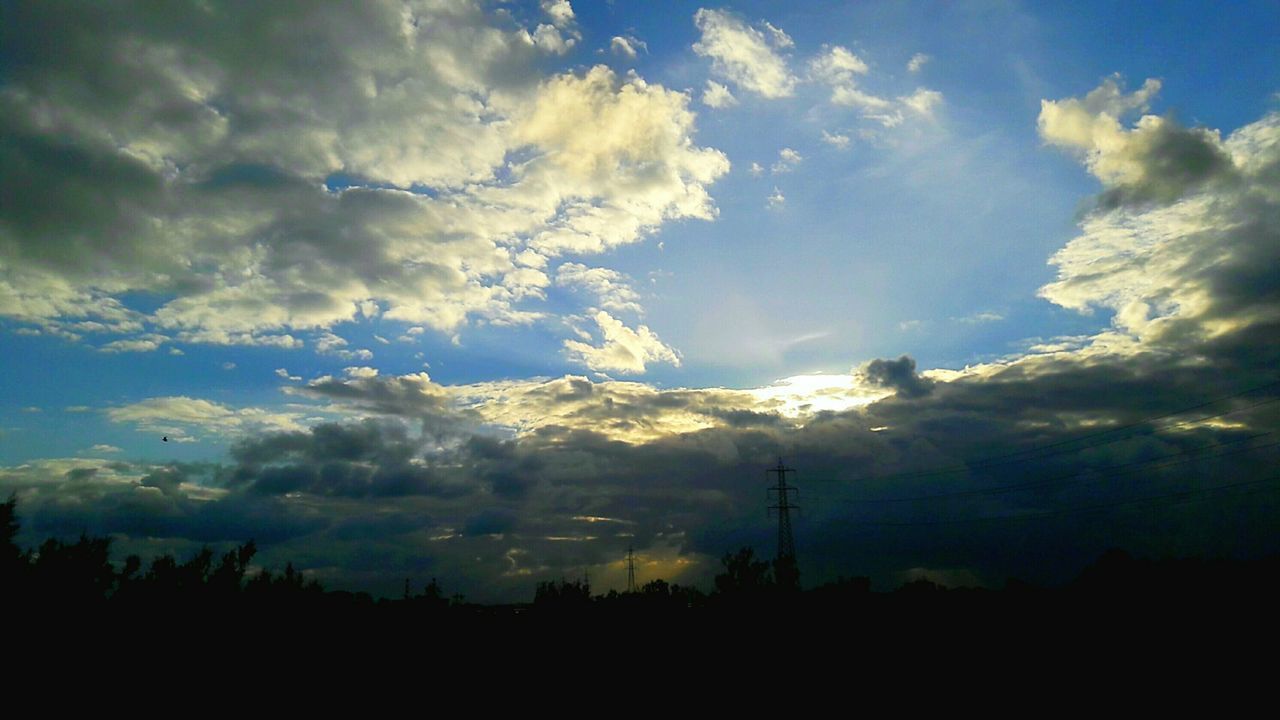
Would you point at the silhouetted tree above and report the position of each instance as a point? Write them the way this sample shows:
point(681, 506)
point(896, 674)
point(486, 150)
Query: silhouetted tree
point(786, 574)
point(743, 575)
point(12, 563)
point(564, 595)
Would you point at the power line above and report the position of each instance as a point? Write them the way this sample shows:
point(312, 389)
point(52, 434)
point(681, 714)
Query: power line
point(1190, 453)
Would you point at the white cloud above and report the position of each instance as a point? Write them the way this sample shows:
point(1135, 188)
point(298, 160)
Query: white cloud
point(840, 68)
point(177, 416)
point(621, 349)
point(718, 96)
point(284, 374)
point(917, 62)
point(228, 365)
point(617, 160)
point(329, 344)
point(612, 288)
point(627, 46)
point(560, 12)
point(837, 66)
point(840, 142)
point(923, 102)
point(550, 39)
point(743, 54)
point(776, 200)
point(788, 159)
point(756, 170)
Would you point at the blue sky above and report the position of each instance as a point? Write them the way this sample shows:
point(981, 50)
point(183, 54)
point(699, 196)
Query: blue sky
point(226, 239)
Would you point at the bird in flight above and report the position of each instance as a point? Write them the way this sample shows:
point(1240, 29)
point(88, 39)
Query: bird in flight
point(165, 438)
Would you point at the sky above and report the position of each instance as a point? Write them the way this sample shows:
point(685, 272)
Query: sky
point(492, 291)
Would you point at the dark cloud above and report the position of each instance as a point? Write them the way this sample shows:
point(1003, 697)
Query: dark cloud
point(1175, 160)
point(897, 375)
point(371, 458)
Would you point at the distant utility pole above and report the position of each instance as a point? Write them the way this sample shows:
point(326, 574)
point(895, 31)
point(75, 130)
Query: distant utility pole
point(631, 571)
point(785, 570)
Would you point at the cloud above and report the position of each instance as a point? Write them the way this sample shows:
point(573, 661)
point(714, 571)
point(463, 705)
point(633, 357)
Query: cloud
point(627, 46)
point(917, 62)
point(359, 392)
point(1157, 160)
point(745, 55)
point(836, 140)
point(756, 170)
point(718, 96)
point(177, 415)
point(788, 159)
point(611, 288)
point(840, 68)
point(776, 200)
point(1185, 225)
point(898, 375)
point(837, 66)
point(371, 458)
point(560, 12)
point(923, 102)
point(264, 201)
point(980, 317)
point(619, 161)
point(328, 343)
point(621, 349)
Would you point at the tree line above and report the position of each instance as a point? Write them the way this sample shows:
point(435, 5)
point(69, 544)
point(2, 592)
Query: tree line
point(81, 574)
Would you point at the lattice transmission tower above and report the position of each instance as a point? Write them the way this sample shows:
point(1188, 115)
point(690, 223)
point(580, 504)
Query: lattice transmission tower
point(631, 571)
point(780, 496)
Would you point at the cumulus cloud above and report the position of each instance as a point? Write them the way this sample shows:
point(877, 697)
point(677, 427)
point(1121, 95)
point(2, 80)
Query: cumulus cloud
point(1156, 160)
point(718, 96)
point(744, 55)
point(1184, 228)
point(897, 375)
point(788, 159)
point(619, 160)
point(621, 348)
point(560, 12)
point(266, 200)
point(917, 62)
